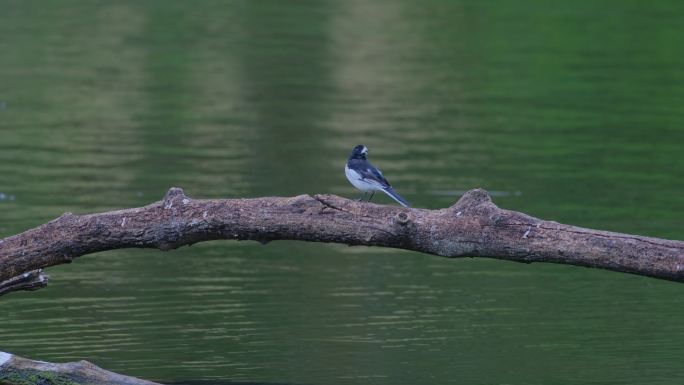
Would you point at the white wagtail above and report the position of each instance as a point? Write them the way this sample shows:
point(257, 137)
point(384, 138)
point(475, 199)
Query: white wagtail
point(365, 177)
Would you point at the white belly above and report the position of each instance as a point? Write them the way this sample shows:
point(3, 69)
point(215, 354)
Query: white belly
point(355, 179)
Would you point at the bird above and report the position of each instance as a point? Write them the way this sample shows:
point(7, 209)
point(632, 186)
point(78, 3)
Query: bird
point(367, 178)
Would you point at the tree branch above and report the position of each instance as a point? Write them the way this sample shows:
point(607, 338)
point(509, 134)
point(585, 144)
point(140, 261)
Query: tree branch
point(16, 370)
point(474, 227)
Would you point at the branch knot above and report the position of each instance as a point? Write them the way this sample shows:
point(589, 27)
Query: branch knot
point(174, 194)
point(402, 218)
point(473, 198)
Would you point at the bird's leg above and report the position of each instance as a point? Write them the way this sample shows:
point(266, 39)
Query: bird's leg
point(362, 197)
point(371, 197)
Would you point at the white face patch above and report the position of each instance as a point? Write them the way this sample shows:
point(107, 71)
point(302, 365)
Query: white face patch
point(364, 150)
point(4, 357)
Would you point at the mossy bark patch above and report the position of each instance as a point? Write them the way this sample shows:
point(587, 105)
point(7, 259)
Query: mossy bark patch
point(34, 377)
point(17, 370)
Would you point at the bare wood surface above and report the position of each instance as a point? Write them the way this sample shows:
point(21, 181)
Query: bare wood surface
point(474, 226)
point(15, 370)
point(32, 280)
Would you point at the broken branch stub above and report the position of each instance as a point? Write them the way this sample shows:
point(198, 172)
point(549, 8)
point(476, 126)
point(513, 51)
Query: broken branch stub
point(32, 280)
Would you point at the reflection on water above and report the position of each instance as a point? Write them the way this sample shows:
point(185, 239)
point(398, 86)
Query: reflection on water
point(571, 113)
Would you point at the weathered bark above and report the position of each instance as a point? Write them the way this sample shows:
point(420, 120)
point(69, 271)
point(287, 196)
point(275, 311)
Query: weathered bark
point(474, 227)
point(15, 370)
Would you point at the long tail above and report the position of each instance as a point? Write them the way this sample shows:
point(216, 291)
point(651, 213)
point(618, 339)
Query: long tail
point(392, 194)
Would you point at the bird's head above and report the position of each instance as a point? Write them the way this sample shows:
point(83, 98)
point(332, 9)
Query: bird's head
point(359, 152)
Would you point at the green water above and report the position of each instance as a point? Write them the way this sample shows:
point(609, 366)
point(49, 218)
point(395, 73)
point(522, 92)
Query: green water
point(570, 111)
